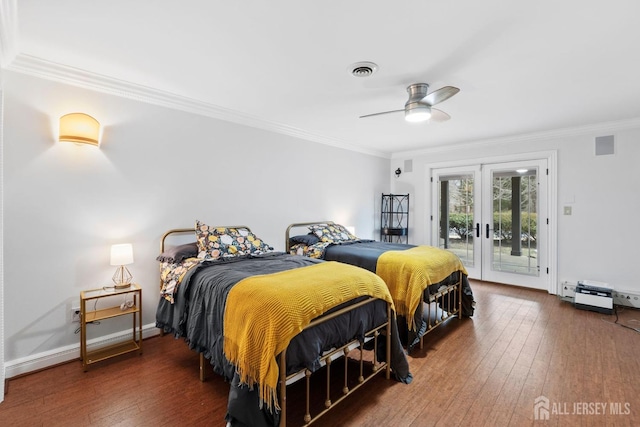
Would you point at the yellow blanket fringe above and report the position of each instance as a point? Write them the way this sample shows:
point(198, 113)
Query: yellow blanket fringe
point(407, 273)
point(263, 313)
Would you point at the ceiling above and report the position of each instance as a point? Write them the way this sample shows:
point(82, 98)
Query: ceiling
point(522, 67)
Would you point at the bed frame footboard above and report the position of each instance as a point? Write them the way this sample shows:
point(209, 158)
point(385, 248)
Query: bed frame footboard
point(381, 332)
point(449, 296)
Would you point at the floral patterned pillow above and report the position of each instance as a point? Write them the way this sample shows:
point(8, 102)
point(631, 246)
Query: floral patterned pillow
point(244, 240)
point(217, 242)
point(332, 233)
point(311, 251)
point(172, 274)
point(210, 245)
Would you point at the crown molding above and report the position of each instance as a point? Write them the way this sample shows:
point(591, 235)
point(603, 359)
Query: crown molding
point(612, 126)
point(8, 31)
point(38, 67)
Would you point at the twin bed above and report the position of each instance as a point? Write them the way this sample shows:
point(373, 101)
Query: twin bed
point(429, 285)
point(266, 319)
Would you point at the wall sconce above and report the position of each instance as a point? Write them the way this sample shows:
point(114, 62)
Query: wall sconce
point(79, 127)
point(122, 255)
point(398, 172)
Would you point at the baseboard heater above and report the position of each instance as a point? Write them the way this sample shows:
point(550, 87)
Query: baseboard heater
point(594, 296)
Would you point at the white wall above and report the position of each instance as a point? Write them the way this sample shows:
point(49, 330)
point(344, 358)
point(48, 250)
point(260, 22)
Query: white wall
point(2, 374)
point(599, 241)
point(156, 169)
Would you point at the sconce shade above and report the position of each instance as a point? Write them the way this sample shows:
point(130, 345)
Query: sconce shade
point(122, 254)
point(79, 127)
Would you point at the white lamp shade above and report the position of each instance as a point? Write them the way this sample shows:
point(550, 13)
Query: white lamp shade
point(122, 254)
point(79, 127)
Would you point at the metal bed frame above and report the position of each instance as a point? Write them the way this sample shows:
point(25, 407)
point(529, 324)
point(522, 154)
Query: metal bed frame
point(443, 297)
point(382, 331)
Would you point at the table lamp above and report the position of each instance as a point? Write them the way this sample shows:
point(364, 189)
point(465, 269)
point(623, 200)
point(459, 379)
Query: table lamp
point(122, 255)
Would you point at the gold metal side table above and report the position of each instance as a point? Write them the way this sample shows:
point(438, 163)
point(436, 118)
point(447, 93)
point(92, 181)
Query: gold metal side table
point(132, 308)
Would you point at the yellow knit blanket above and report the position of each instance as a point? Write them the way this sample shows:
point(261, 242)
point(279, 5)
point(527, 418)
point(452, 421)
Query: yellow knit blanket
point(407, 273)
point(263, 313)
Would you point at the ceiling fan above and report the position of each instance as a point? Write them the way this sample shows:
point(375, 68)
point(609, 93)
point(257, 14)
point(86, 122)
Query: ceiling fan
point(419, 107)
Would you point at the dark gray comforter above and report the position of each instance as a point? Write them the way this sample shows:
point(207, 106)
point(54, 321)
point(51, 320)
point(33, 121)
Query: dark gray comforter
point(365, 253)
point(198, 314)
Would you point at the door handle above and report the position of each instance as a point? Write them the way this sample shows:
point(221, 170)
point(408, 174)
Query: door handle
point(487, 231)
point(477, 229)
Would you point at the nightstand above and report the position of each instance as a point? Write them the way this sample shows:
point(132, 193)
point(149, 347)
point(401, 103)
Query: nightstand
point(132, 308)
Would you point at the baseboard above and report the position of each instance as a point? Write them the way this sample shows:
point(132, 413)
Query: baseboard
point(626, 298)
point(46, 359)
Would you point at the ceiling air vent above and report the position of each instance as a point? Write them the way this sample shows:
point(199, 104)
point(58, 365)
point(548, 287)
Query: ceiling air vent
point(363, 69)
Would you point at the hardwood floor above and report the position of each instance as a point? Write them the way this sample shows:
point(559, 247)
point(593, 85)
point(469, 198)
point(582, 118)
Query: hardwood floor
point(488, 370)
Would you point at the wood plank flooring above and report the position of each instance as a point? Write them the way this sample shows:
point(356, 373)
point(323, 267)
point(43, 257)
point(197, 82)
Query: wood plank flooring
point(520, 345)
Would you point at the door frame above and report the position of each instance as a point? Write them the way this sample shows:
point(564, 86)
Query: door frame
point(476, 172)
point(541, 280)
point(552, 191)
point(2, 370)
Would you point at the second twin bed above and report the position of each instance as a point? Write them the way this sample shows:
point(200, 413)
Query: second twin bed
point(428, 285)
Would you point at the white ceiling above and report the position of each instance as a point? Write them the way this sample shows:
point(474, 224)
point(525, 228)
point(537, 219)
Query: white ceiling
point(522, 67)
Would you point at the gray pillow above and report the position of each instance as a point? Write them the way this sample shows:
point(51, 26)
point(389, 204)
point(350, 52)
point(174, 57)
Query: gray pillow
point(307, 239)
point(177, 254)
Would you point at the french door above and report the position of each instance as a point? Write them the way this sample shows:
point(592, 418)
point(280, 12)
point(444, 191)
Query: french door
point(494, 216)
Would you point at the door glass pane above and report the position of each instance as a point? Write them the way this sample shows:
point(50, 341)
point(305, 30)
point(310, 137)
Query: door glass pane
point(515, 212)
point(456, 225)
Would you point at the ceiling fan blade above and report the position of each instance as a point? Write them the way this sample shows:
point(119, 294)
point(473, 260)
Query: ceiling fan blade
point(442, 94)
point(438, 116)
point(379, 114)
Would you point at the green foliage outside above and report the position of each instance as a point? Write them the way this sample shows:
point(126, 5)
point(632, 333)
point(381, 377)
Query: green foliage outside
point(528, 222)
point(462, 225)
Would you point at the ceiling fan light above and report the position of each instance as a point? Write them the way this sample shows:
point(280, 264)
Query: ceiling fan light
point(420, 113)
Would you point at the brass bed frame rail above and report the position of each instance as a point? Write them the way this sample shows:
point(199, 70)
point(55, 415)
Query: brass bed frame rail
point(443, 298)
point(382, 331)
point(433, 300)
point(327, 359)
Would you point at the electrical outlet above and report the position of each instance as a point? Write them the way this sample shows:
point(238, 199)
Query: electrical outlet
point(75, 315)
point(568, 289)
